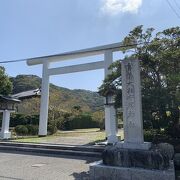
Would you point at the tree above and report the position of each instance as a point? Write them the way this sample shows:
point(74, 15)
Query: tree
point(159, 57)
point(98, 116)
point(5, 83)
point(25, 82)
point(76, 110)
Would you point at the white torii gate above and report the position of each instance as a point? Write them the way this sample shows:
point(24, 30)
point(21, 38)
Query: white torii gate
point(107, 51)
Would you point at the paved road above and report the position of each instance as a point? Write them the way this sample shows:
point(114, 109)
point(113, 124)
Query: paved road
point(33, 167)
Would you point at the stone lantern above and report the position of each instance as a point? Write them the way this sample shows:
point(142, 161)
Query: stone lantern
point(111, 120)
point(7, 106)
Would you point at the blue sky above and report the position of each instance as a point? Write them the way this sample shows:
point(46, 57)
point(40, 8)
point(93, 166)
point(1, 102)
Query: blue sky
point(34, 28)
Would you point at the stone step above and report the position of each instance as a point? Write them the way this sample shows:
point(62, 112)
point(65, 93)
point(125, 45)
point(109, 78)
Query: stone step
point(53, 152)
point(56, 146)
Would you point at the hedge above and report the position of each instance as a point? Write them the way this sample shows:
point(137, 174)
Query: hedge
point(78, 122)
point(22, 119)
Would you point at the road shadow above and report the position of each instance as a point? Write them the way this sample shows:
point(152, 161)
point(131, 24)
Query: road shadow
point(81, 176)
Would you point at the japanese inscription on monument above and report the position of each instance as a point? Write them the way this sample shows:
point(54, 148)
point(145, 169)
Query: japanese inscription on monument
point(132, 108)
point(130, 103)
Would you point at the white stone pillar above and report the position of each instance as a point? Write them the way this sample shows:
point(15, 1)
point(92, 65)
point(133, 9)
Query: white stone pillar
point(5, 134)
point(132, 106)
point(44, 100)
point(110, 113)
point(111, 121)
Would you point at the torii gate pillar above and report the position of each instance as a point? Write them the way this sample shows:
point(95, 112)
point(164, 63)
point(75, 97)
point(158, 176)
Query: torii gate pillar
point(110, 112)
point(44, 100)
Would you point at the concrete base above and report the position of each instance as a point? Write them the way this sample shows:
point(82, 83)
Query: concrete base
point(105, 143)
point(98, 171)
point(112, 139)
point(5, 135)
point(142, 146)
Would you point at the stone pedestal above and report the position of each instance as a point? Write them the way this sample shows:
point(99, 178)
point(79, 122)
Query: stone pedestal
point(142, 146)
point(5, 135)
point(154, 158)
point(98, 171)
point(134, 164)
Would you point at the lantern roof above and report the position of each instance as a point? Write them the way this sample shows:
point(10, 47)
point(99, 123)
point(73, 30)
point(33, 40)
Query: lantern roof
point(27, 94)
point(9, 99)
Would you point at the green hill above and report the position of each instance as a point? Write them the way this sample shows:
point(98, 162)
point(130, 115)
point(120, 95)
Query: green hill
point(61, 98)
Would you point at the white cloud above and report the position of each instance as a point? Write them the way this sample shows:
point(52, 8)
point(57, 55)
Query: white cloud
point(114, 7)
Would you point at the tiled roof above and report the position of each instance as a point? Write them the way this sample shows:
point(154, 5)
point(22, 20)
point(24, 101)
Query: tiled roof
point(7, 98)
point(27, 94)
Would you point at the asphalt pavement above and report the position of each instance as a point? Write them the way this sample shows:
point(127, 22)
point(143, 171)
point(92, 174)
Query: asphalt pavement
point(14, 166)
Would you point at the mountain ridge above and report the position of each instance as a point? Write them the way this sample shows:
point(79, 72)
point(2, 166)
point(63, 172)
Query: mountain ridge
point(60, 97)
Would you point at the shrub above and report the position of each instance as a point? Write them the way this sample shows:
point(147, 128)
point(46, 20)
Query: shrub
point(148, 135)
point(18, 119)
point(102, 124)
point(21, 130)
point(51, 129)
point(33, 119)
point(173, 131)
point(32, 129)
point(99, 118)
point(63, 123)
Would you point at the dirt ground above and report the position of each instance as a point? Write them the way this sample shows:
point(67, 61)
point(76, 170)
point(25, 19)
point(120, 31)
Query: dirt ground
point(75, 137)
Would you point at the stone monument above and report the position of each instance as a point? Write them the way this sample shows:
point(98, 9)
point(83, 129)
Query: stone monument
point(133, 159)
point(132, 106)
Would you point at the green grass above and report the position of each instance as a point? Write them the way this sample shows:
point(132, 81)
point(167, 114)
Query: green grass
point(34, 139)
